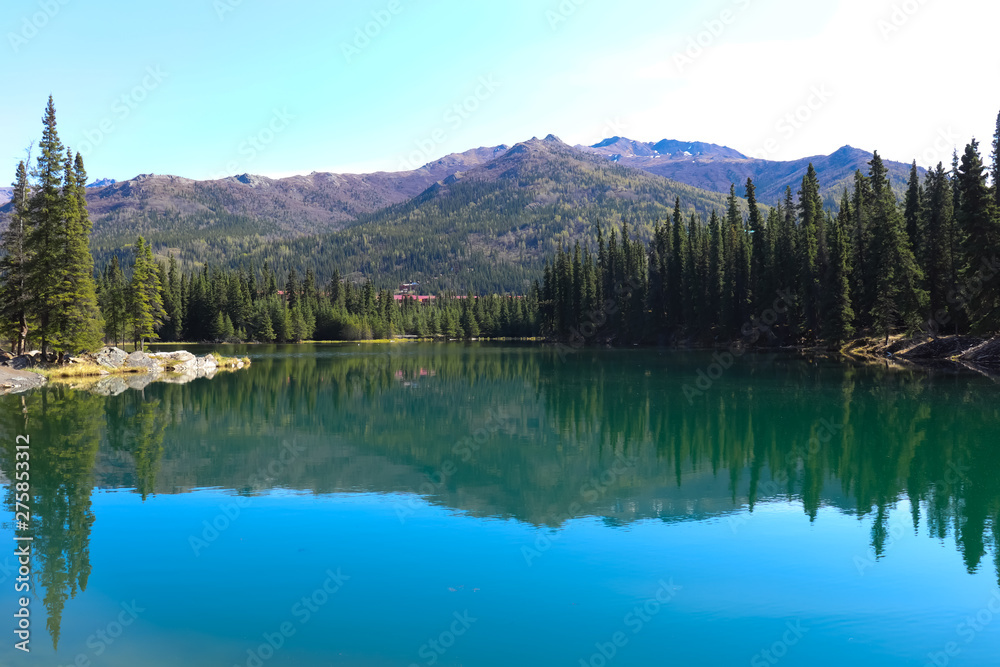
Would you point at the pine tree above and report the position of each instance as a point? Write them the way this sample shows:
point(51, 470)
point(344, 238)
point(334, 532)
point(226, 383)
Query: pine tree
point(77, 315)
point(46, 237)
point(173, 302)
point(996, 165)
point(942, 253)
point(145, 296)
point(839, 323)
point(292, 289)
point(899, 299)
point(675, 269)
point(737, 265)
point(760, 246)
point(979, 221)
point(113, 301)
point(15, 299)
point(716, 267)
point(914, 212)
point(810, 264)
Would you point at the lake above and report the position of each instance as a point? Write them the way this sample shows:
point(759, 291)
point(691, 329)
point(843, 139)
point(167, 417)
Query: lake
point(496, 505)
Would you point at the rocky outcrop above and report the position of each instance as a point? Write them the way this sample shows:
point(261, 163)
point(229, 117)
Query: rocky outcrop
point(120, 370)
point(140, 360)
point(986, 353)
point(13, 381)
point(111, 357)
point(942, 348)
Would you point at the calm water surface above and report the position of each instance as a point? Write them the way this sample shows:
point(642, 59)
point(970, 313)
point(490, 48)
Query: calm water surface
point(368, 506)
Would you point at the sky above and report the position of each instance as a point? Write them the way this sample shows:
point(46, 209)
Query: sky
point(213, 88)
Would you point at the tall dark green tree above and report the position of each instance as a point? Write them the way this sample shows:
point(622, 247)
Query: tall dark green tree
point(15, 298)
point(899, 298)
point(978, 218)
point(76, 312)
point(145, 296)
point(46, 237)
point(914, 212)
point(114, 302)
point(839, 315)
point(809, 242)
point(943, 252)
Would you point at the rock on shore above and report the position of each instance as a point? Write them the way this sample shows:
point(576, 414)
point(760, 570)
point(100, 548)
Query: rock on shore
point(13, 381)
point(123, 370)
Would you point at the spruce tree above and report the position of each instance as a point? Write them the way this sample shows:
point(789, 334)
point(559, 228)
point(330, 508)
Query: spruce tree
point(978, 218)
point(942, 254)
point(675, 269)
point(76, 312)
point(114, 303)
point(913, 213)
point(46, 236)
point(899, 299)
point(145, 296)
point(996, 165)
point(839, 315)
point(716, 268)
point(760, 246)
point(15, 297)
point(810, 265)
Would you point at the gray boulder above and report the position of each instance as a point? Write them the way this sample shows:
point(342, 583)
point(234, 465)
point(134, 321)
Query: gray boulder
point(20, 363)
point(111, 357)
point(181, 361)
point(140, 360)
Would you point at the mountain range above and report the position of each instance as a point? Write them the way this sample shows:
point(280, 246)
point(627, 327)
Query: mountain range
point(485, 218)
point(713, 167)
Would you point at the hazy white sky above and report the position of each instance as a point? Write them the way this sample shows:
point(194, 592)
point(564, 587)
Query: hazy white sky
point(207, 88)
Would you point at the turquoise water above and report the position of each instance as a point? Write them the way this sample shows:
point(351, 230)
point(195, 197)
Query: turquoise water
point(496, 505)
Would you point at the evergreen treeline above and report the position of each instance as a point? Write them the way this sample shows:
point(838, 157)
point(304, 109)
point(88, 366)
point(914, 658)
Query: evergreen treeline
point(239, 306)
point(799, 273)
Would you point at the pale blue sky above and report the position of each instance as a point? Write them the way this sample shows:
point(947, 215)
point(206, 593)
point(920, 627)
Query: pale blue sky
point(200, 78)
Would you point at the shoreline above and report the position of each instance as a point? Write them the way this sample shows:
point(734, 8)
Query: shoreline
point(972, 353)
point(114, 363)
